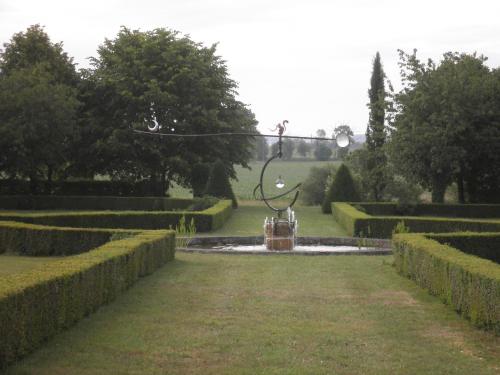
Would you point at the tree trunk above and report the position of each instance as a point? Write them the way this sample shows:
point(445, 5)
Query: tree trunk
point(438, 190)
point(163, 182)
point(460, 185)
point(50, 172)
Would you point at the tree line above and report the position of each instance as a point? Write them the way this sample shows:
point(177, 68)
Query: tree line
point(58, 123)
point(441, 129)
point(320, 150)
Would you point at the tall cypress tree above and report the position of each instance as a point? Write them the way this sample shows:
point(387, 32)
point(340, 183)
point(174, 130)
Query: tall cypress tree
point(375, 178)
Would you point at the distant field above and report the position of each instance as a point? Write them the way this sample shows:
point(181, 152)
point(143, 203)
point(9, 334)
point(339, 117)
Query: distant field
point(292, 172)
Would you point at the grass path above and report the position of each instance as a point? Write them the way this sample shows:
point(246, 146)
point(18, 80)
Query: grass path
point(222, 314)
point(248, 220)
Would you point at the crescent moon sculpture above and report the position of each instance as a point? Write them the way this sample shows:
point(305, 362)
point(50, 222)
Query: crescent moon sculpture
point(260, 186)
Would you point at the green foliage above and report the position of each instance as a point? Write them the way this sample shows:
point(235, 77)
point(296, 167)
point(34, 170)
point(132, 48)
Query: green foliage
point(209, 219)
point(184, 232)
point(447, 128)
point(142, 78)
point(218, 184)
point(38, 106)
point(322, 152)
point(37, 304)
point(36, 240)
point(400, 228)
point(342, 152)
point(199, 177)
point(342, 189)
point(287, 149)
point(356, 222)
point(33, 202)
point(469, 284)
point(312, 191)
point(261, 149)
point(200, 204)
point(303, 148)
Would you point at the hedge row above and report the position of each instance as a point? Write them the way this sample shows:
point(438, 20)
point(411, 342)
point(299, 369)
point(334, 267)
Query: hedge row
point(469, 284)
point(431, 209)
point(36, 202)
point(36, 305)
point(483, 245)
point(36, 240)
point(206, 220)
point(82, 187)
point(358, 223)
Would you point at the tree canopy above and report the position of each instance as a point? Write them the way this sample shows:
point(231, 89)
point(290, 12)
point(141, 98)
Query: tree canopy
point(447, 126)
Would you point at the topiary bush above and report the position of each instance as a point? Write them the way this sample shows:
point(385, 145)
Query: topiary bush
point(342, 189)
point(218, 184)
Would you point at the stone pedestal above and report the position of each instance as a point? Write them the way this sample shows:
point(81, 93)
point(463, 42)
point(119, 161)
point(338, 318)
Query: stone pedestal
point(279, 235)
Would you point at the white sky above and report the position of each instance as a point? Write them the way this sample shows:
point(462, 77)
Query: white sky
point(305, 61)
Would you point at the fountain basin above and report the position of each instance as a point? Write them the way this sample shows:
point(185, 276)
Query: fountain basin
point(304, 246)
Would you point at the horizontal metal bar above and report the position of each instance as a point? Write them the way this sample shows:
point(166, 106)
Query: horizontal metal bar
point(229, 134)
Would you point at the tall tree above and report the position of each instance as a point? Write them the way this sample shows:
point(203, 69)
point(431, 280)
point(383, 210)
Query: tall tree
point(303, 148)
point(448, 125)
point(321, 150)
point(261, 148)
point(161, 77)
point(376, 161)
point(38, 106)
point(287, 149)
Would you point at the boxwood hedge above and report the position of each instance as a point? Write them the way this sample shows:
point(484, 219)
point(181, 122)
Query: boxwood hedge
point(359, 223)
point(471, 285)
point(37, 304)
point(94, 203)
point(206, 220)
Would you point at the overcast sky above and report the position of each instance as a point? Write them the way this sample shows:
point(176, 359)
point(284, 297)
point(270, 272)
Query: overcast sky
point(305, 61)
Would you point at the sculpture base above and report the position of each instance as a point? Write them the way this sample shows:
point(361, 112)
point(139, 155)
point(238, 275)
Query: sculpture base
point(279, 235)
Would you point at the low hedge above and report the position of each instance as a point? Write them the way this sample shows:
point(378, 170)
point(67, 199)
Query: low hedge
point(358, 223)
point(37, 240)
point(206, 220)
point(483, 245)
point(37, 304)
point(83, 187)
point(431, 209)
point(469, 284)
point(36, 202)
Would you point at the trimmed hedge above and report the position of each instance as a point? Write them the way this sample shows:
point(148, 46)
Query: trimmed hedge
point(431, 209)
point(37, 304)
point(206, 220)
point(36, 240)
point(467, 283)
point(483, 245)
point(83, 187)
point(358, 223)
point(36, 202)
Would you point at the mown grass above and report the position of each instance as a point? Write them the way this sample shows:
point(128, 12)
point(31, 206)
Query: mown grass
point(248, 220)
point(11, 263)
point(293, 172)
point(220, 314)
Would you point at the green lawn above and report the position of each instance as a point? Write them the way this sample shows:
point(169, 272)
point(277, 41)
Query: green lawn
point(292, 172)
point(223, 314)
point(248, 220)
point(12, 263)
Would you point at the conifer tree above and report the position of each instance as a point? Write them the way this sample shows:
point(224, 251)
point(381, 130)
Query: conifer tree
point(374, 177)
point(218, 184)
point(342, 189)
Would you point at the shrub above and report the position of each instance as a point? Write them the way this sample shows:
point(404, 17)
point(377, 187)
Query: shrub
point(218, 184)
point(342, 189)
point(200, 204)
point(314, 187)
point(356, 222)
point(36, 240)
point(199, 178)
point(469, 284)
point(35, 305)
point(207, 220)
